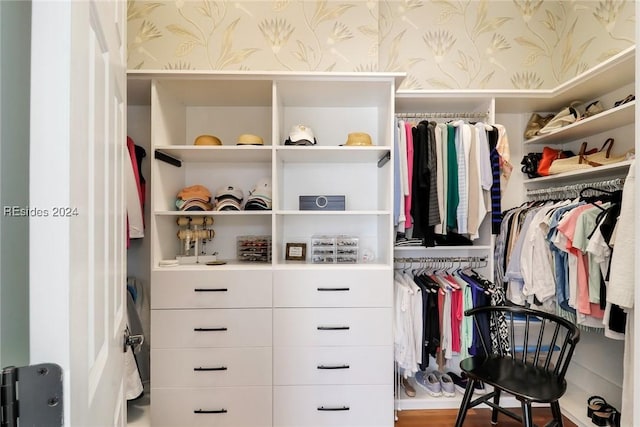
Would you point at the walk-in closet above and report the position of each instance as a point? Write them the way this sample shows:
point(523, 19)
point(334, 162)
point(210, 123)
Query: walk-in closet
point(415, 119)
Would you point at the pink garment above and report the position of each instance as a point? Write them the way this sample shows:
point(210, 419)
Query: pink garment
point(407, 198)
point(456, 320)
point(567, 226)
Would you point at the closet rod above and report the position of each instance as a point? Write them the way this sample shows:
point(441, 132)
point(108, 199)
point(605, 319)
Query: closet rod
point(470, 259)
point(444, 115)
point(573, 190)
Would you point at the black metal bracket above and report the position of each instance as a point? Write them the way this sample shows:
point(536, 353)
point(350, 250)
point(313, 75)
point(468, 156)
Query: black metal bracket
point(167, 158)
point(384, 159)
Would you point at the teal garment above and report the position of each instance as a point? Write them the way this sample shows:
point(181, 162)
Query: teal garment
point(453, 198)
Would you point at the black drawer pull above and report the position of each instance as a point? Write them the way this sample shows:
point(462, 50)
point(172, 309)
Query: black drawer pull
point(333, 366)
point(333, 328)
point(332, 289)
point(333, 408)
point(209, 329)
point(212, 411)
point(210, 290)
point(201, 369)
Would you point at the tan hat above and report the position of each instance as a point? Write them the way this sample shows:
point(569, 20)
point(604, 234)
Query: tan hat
point(207, 140)
point(248, 139)
point(358, 139)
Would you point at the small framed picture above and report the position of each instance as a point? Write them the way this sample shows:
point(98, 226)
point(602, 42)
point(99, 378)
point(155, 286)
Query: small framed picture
point(296, 252)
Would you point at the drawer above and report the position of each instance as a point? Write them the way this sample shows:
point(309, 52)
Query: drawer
point(332, 326)
point(333, 365)
point(315, 406)
point(211, 367)
point(211, 289)
point(212, 407)
point(211, 328)
point(340, 288)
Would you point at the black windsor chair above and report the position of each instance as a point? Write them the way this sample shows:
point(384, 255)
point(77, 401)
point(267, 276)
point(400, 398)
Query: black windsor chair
point(528, 360)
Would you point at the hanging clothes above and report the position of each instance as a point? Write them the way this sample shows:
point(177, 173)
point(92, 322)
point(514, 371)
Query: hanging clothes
point(453, 171)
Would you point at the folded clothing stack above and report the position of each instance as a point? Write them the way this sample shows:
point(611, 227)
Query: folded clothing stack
point(229, 198)
point(260, 197)
point(194, 198)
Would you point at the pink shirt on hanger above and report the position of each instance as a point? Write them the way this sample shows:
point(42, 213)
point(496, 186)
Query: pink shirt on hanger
point(407, 198)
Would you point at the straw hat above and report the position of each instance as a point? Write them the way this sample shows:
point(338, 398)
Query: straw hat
point(207, 140)
point(248, 139)
point(358, 139)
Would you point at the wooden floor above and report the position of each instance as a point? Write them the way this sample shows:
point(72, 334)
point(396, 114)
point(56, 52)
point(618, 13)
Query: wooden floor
point(475, 418)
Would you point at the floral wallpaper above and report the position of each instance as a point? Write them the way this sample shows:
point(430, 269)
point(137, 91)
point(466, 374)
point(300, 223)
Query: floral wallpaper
point(440, 44)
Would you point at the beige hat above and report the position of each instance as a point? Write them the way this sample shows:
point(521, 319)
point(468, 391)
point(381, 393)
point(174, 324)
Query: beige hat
point(358, 139)
point(207, 140)
point(248, 139)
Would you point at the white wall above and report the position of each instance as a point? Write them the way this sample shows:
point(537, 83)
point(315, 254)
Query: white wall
point(15, 29)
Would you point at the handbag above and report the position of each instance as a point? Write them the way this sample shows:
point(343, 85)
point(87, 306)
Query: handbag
point(572, 163)
point(530, 163)
point(602, 157)
point(549, 155)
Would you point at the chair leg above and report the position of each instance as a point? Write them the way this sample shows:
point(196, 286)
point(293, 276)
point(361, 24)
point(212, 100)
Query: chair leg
point(557, 414)
point(466, 399)
point(527, 416)
point(496, 401)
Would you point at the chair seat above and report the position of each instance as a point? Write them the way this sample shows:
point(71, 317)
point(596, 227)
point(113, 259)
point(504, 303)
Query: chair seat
point(513, 376)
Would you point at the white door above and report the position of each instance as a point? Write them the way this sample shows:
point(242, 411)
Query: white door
point(77, 217)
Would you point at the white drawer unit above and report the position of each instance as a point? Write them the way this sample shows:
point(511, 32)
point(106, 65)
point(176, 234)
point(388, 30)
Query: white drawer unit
point(214, 289)
point(347, 406)
point(211, 328)
point(212, 407)
point(332, 326)
point(211, 367)
point(332, 365)
point(338, 288)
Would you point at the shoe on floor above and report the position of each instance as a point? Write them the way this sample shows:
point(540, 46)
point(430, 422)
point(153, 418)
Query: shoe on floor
point(429, 382)
point(408, 388)
point(460, 383)
point(446, 384)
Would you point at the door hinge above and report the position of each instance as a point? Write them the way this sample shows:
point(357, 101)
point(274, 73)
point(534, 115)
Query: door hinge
point(31, 396)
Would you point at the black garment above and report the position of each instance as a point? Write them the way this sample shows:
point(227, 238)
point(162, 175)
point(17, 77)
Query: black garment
point(496, 212)
point(423, 138)
point(430, 317)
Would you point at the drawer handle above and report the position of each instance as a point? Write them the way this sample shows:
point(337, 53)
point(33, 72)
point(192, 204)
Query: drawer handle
point(333, 408)
point(209, 329)
point(333, 366)
point(212, 411)
point(333, 328)
point(210, 290)
point(332, 289)
point(201, 369)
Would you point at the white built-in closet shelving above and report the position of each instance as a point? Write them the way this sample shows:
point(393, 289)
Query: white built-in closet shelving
point(185, 104)
point(592, 371)
point(296, 343)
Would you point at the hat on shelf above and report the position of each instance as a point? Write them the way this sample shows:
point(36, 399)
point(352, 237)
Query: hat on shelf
point(300, 135)
point(194, 198)
point(358, 139)
point(194, 191)
point(229, 198)
point(249, 139)
point(260, 197)
point(207, 140)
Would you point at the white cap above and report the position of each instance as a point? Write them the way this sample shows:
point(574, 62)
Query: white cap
point(301, 135)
